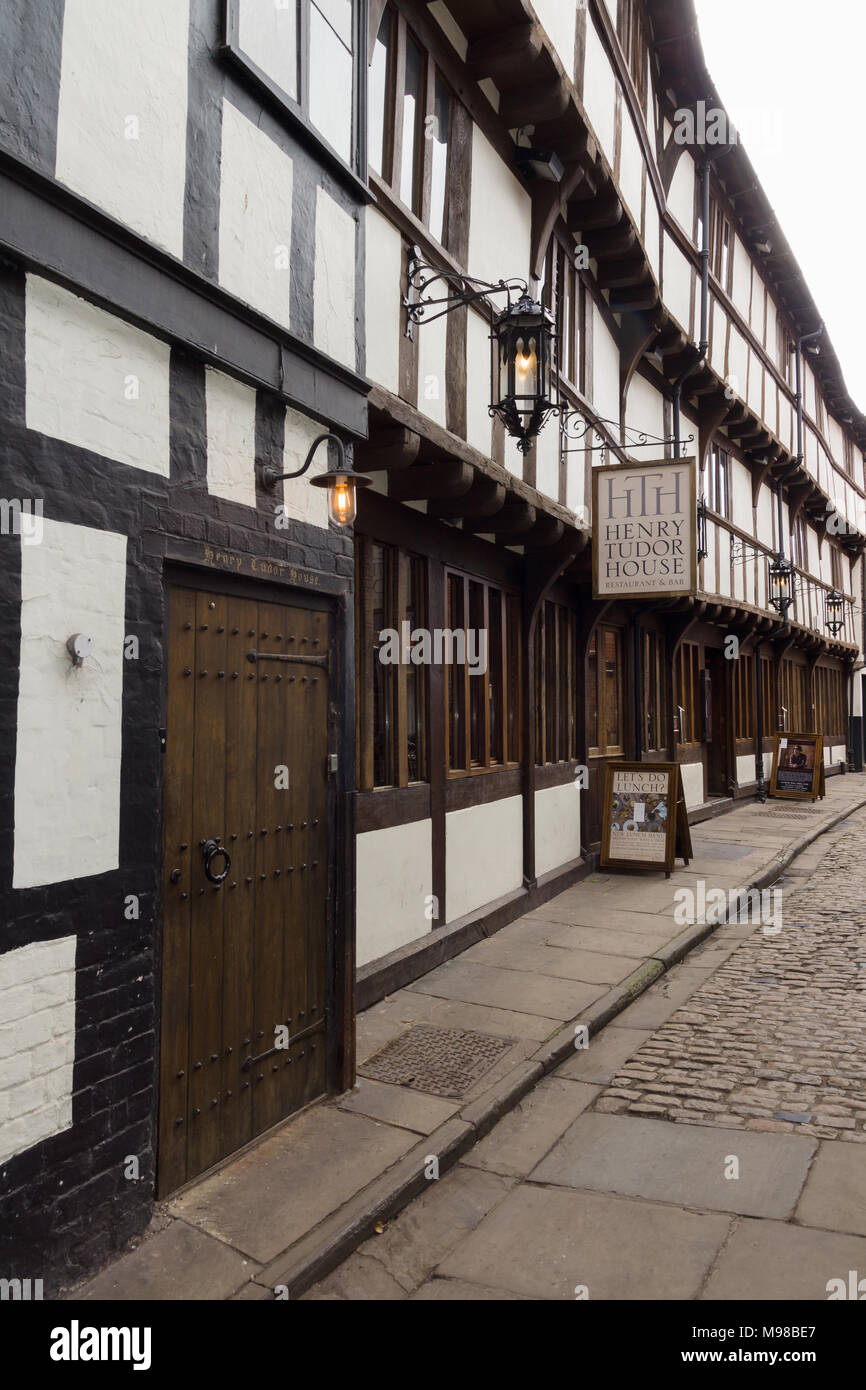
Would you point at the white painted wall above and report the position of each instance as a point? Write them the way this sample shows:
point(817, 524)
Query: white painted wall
point(681, 195)
point(678, 276)
point(231, 438)
point(631, 167)
point(334, 281)
point(67, 764)
point(94, 380)
point(301, 501)
point(479, 426)
point(693, 783)
point(745, 769)
point(394, 875)
point(121, 125)
point(599, 92)
point(557, 827)
point(432, 368)
point(37, 1043)
point(255, 232)
point(605, 369)
point(384, 264)
point(483, 854)
point(500, 224)
point(559, 19)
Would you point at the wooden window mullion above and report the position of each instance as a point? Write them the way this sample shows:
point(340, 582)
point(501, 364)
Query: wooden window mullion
point(395, 151)
point(401, 723)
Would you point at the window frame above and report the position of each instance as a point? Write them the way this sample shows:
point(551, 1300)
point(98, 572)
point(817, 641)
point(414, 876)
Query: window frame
point(607, 750)
point(511, 681)
point(556, 685)
point(689, 654)
point(558, 265)
point(432, 73)
point(296, 110)
point(395, 610)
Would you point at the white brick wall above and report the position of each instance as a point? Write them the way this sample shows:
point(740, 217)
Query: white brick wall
point(37, 1043)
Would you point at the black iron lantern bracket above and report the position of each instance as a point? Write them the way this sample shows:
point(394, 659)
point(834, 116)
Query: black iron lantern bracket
point(576, 428)
point(432, 292)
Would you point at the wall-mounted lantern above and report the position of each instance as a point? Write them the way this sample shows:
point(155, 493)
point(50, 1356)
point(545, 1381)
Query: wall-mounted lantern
point(835, 611)
point(340, 479)
point(522, 338)
point(781, 585)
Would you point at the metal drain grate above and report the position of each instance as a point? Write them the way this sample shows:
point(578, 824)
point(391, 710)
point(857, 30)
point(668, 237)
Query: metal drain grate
point(442, 1061)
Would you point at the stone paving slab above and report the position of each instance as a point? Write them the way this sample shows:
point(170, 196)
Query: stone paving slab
point(273, 1194)
point(415, 1242)
point(545, 1242)
point(601, 1060)
point(775, 1260)
point(179, 1262)
point(542, 995)
point(612, 940)
point(397, 1105)
point(455, 1291)
point(835, 1194)
point(680, 1164)
point(592, 967)
point(527, 1132)
point(414, 1006)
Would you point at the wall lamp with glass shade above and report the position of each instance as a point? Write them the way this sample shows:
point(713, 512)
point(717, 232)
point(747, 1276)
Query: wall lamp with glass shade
point(835, 612)
point(340, 479)
point(781, 585)
point(522, 338)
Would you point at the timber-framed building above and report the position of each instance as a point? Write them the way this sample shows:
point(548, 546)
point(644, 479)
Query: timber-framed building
point(223, 813)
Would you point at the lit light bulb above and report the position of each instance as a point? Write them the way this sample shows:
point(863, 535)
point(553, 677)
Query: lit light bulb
point(342, 503)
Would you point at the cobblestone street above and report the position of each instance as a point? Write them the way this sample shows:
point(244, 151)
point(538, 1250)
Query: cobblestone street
point(775, 1039)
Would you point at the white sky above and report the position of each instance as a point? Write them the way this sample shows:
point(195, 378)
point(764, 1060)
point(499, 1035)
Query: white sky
point(791, 76)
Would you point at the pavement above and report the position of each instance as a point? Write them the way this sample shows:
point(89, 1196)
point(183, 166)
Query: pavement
point(658, 1109)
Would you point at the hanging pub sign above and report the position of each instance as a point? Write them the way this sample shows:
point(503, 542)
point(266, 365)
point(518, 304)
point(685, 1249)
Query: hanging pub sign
point(798, 766)
point(644, 530)
point(644, 825)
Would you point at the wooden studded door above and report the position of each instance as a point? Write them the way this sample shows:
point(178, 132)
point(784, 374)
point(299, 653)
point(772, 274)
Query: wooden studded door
point(245, 874)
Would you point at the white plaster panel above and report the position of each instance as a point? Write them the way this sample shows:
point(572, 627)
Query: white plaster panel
point(334, 283)
point(599, 92)
point(394, 876)
point(501, 216)
point(94, 380)
point(559, 20)
point(644, 407)
point(741, 494)
point(605, 369)
point(557, 827)
point(681, 195)
point(67, 765)
point(231, 438)
point(678, 274)
point(479, 426)
point(693, 783)
point(301, 502)
point(741, 277)
point(37, 1043)
point(432, 367)
point(708, 582)
point(719, 344)
point(483, 854)
point(652, 242)
point(121, 121)
point(384, 261)
point(745, 769)
point(547, 461)
point(255, 231)
point(756, 384)
point(630, 167)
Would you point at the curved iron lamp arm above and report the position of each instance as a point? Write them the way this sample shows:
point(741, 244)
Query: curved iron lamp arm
point(270, 476)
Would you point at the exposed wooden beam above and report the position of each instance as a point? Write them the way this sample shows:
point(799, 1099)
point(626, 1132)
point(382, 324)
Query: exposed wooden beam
point(448, 478)
point(484, 498)
point(391, 448)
